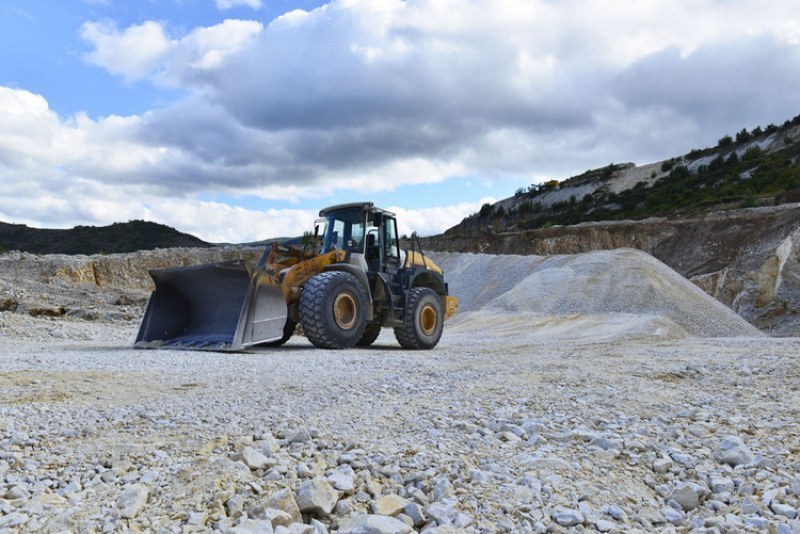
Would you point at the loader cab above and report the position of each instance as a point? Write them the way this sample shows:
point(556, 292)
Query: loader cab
point(361, 228)
point(344, 229)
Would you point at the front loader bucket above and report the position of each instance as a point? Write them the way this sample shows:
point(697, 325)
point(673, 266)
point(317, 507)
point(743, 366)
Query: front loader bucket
point(221, 306)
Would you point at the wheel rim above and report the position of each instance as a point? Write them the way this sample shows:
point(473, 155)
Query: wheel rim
point(427, 320)
point(344, 311)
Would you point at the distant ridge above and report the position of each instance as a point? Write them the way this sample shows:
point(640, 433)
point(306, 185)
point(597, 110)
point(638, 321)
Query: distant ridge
point(118, 237)
point(753, 168)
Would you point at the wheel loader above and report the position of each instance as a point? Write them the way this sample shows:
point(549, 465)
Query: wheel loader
point(344, 284)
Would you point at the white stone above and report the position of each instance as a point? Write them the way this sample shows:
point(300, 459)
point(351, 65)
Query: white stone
point(253, 459)
point(319, 527)
point(443, 512)
point(733, 451)
point(283, 500)
point(301, 435)
point(132, 500)
point(604, 525)
point(442, 490)
point(566, 517)
point(196, 518)
point(722, 484)
point(373, 524)
point(267, 445)
point(278, 518)
point(17, 492)
point(252, 526)
point(415, 512)
point(548, 462)
point(388, 505)
point(784, 509)
point(662, 465)
point(615, 511)
point(673, 516)
point(317, 497)
point(343, 478)
point(13, 520)
point(687, 495)
point(749, 507)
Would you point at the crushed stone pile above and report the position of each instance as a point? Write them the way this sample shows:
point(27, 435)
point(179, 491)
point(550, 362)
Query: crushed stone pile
point(624, 290)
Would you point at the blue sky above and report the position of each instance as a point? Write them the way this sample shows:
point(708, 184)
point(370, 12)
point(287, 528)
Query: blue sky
point(237, 120)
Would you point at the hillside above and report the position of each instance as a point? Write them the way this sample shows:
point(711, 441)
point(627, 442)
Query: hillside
point(748, 259)
point(727, 218)
point(753, 168)
point(118, 237)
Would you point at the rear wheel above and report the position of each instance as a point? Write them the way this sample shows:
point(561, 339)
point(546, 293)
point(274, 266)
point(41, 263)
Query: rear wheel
point(371, 333)
point(333, 310)
point(424, 320)
point(288, 331)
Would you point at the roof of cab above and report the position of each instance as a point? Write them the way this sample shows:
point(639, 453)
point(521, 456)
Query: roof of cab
point(366, 206)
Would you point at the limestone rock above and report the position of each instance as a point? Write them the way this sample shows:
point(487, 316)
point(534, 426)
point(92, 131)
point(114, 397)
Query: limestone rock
point(388, 505)
point(253, 459)
point(688, 495)
point(374, 524)
point(132, 500)
point(317, 497)
point(566, 517)
point(252, 526)
point(343, 478)
point(733, 451)
point(283, 500)
point(301, 435)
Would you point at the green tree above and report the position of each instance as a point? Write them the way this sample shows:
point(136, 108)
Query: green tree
point(752, 153)
point(743, 136)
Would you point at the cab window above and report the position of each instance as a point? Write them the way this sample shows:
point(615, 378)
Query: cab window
point(391, 250)
point(344, 229)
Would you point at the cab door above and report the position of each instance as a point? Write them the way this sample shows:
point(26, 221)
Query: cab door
point(390, 245)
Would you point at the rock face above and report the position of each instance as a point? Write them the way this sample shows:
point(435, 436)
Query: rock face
point(113, 287)
point(747, 259)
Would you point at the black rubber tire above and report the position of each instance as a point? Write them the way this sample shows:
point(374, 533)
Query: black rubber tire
point(321, 323)
point(423, 320)
point(288, 331)
point(371, 333)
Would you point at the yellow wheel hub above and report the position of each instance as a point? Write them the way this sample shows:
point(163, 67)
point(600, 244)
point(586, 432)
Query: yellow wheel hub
point(344, 311)
point(427, 320)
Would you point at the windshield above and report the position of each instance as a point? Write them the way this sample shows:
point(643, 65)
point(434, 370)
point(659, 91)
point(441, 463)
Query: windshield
point(344, 229)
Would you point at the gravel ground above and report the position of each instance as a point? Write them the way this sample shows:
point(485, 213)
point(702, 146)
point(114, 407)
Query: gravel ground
point(488, 432)
point(610, 412)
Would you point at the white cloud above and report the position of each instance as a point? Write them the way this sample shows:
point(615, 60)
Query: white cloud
point(432, 221)
point(367, 96)
point(87, 173)
point(144, 50)
point(131, 53)
point(228, 4)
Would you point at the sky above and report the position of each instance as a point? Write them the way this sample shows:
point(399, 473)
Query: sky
point(238, 120)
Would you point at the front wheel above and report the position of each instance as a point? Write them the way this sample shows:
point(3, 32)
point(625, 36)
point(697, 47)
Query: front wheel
point(333, 310)
point(423, 321)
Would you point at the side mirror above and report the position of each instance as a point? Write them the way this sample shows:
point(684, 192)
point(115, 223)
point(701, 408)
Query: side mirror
point(377, 220)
